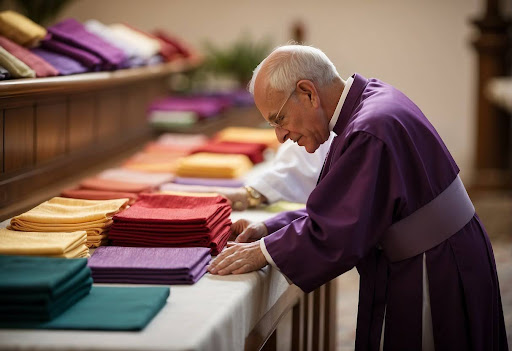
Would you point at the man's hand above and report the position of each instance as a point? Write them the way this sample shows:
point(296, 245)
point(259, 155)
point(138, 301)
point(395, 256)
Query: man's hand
point(238, 259)
point(244, 231)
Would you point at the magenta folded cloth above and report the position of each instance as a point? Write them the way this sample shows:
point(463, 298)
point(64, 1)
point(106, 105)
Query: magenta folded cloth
point(75, 34)
point(39, 65)
point(225, 183)
point(204, 106)
point(149, 265)
point(64, 64)
point(91, 61)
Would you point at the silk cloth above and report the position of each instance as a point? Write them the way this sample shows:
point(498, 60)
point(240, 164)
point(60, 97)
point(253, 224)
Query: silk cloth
point(248, 135)
point(163, 220)
point(35, 289)
point(63, 214)
point(108, 308)
point(64, 64)
point(208, 165)
point(16, 68)
point(387, 161)
point(20, 29)
point(73, 33)
point(37, 64)
point(146, 47)
point(113, 264)
point(53, 244)
point(252, 150)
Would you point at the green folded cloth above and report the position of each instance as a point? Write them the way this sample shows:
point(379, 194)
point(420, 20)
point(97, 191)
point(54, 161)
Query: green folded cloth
point(106, 308)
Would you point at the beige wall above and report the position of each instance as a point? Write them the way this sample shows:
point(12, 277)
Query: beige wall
point(420, 46)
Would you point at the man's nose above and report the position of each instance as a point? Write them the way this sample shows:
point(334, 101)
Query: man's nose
point(282, 134)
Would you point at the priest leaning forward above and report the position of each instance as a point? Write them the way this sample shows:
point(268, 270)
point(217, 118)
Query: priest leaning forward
point(389, 202)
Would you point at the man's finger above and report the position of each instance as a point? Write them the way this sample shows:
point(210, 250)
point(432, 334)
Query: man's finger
point(232, 267)
point(244, 269)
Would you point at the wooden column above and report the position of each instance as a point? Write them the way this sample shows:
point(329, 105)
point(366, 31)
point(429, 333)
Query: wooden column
point(493, 46)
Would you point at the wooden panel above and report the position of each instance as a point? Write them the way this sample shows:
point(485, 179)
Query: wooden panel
point(1, 141)
point(51, 126)
point(109, 114)
point(19, 138)
point(134, 108)
point(82, 122)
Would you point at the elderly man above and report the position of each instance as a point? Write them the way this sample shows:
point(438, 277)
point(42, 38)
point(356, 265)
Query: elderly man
point(388, 201)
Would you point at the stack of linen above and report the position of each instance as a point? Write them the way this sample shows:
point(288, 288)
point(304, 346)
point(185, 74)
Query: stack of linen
point(177, 142)
point(172, 220)
point(36, 289)
point(155, 162)
point(252, 150)
point(248, 135)
point(67, 215)
point(56, 244)
point(140, 265)
point(209, 165)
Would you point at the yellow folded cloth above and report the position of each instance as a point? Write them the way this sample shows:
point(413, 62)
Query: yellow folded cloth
point(209, 165)
point(248, 135)
point(17, 68)
point(56, 244)
point(67, 215)
point(20, 29)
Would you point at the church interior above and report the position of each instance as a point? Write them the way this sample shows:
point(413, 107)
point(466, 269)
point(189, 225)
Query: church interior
point(121, 99)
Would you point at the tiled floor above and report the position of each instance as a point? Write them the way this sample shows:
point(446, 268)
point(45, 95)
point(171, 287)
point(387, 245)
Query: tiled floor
point(348, 285)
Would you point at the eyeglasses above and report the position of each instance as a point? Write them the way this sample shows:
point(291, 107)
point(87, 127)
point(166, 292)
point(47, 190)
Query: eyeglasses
point(278, 120)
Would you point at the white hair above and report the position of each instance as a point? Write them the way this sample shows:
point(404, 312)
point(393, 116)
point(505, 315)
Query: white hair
point(288, 64)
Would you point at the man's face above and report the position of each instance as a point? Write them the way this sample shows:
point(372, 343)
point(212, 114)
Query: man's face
point(296, 116)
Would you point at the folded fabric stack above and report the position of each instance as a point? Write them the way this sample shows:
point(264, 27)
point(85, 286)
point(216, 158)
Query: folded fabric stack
point(186, 188)
point(67, 215)
point(71, 38)
point(138, 177)
point(248, 135)
point(65, 65)
point(208, 182)
point(252, 150)
point(157, 162)
point(20, 29)
point(170, 143)
point(140, 265)
point(171, 112)
point(56, 244)
point(208, 165)
point(35, 289)
point(164, 220)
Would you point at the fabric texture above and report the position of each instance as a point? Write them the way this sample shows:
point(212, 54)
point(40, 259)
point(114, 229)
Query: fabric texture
point(208, 165)
point(20, 29)
point(386, 162)
point(37, 64)
point(62, 63)
point(111, 264)
point(96, 183)
point(16, 68)
point(107, 308)
point(88, 194)
point(86, 58)
point(130, 176)
point(248, 135)
point(209, 182)
point(67, 245)
point(252, 150)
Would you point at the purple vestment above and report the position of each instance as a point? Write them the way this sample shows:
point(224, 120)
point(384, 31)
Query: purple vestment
point(386, 162)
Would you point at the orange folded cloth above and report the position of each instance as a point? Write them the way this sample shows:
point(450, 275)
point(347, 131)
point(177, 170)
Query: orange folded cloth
point(96, 183)
point(248, 135)
point(98, 195)
point(153, 162)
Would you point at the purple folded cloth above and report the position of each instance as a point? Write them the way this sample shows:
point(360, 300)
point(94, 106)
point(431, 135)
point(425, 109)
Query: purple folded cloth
point(64, 64)
point(89, 60)
point(75, 34)
point(204, 106)
point(228, 183)
point(148, 265)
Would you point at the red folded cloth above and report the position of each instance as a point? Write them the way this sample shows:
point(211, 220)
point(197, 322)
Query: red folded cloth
point(99, 195)
point(252, 150)
point(96, 183)
point(40, 66)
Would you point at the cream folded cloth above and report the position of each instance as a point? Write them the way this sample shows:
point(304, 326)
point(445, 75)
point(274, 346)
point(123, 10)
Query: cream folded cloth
point(20, 29)
point(58, 244)
point(66, 215)
point(248, 135)
point(210, 165)
point(16, 67)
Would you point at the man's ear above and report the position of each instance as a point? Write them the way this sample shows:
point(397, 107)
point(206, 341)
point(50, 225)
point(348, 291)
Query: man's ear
point(307, 88)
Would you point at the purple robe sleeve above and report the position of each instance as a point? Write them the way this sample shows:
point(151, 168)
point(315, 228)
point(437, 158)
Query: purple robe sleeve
point(347, 212)
point(284, 218)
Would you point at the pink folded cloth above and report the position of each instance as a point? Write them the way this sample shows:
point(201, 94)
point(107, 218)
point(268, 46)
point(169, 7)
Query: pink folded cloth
point(40, 66)
point(95, 183)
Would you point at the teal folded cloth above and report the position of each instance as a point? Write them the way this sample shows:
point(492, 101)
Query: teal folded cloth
point(106, 308)
point(40, 288)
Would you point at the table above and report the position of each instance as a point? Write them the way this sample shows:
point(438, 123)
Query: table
point(234, 312)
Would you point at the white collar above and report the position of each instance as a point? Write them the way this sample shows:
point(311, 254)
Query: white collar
point(337, 111)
